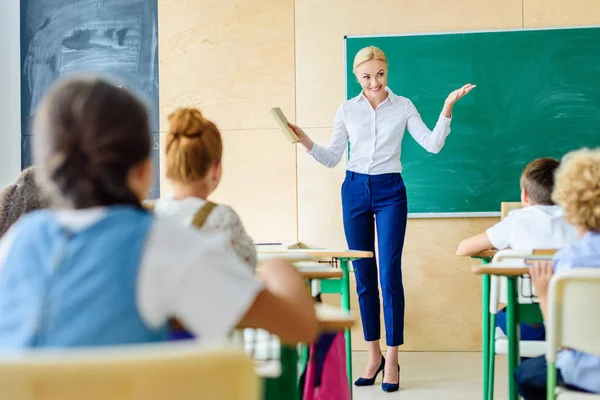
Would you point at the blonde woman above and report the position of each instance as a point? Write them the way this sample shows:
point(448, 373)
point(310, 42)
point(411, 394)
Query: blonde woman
point(373, 123)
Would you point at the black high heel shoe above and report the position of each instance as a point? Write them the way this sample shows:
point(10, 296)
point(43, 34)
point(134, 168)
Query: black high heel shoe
point(371, 381)
point(392, 387)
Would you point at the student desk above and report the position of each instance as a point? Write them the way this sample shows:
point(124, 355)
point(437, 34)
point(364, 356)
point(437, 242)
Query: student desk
point(515, 313)
point(512, 331)
point(487, 331)
point(341, 286)
point(293, 258)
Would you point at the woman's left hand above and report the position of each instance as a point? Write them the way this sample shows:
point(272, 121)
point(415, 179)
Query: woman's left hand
point(454, 97)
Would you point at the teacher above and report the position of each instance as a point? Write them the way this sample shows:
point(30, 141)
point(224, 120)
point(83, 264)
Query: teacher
point(374, 196)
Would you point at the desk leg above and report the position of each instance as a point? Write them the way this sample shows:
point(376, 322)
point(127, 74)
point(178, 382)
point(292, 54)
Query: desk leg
point(513, 335)
point(492, 349)
point(344, 265)
point(485, 335)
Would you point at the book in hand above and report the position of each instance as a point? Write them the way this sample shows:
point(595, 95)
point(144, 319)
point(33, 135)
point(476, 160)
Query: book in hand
point(283, 124)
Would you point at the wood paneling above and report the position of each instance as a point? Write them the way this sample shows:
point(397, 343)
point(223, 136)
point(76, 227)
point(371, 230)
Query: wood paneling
point(548, 13)
point(234, 59)
point(319, 197)
point(321, 26)
point(259, 182)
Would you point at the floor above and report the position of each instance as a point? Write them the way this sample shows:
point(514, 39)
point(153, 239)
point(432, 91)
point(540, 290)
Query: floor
point(432, 376)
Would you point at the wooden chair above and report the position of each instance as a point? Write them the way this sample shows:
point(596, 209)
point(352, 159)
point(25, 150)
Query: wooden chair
point(573, 322)
point(149, 372)
point(508, 206)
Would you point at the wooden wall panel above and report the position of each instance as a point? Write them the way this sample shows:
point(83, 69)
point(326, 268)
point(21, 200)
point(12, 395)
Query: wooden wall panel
point(321, 26)
point(542, 13)
point(259, 182)
point(257, 167)
point(319, 197)
point(234, 59)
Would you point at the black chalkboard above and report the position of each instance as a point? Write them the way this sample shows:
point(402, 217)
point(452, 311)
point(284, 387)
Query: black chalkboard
point(118, 38)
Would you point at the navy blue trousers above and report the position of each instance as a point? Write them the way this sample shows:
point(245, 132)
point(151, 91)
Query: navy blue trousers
point(369, 203)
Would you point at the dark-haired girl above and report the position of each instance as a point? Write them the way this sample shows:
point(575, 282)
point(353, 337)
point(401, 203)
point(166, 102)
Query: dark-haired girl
point(97, 269)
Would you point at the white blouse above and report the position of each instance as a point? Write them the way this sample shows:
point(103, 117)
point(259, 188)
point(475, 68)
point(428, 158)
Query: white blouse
point(221, 219)
point(375, 135)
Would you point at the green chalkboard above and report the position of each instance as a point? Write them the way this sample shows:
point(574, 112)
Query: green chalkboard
point(537, 95)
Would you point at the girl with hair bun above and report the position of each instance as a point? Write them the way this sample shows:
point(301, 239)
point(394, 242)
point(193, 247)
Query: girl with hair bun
point(193, 157)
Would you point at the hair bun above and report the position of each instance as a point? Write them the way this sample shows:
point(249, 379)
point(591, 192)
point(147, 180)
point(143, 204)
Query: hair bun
point(187, 122)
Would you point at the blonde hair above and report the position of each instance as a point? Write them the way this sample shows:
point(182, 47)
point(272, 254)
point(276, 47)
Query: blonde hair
point(577, 188)
point(367, 54)
point(193, 145)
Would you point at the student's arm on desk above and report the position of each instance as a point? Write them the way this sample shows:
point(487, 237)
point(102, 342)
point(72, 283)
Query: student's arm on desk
point(284, 307)
point(474, 245)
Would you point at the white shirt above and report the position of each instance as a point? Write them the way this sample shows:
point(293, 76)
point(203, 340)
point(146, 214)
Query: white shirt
point(221, 219)
point(533, 227)
point(375, 135)
point(184, 273)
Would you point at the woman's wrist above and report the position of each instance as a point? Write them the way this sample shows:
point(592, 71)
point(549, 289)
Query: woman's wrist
point(307, 143)
point(447, 110)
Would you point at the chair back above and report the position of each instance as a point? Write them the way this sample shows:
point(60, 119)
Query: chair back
point(508, 206)
point(573, 320)
point(148, 372)
point(514, 258)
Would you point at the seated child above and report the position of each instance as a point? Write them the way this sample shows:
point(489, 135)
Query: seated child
point(20, 198)
point(193, 158)
point(578, 192)
point(538, 225)
point(97, 269)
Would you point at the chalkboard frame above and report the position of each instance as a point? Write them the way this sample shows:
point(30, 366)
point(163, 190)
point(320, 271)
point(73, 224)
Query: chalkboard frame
point(348, 61)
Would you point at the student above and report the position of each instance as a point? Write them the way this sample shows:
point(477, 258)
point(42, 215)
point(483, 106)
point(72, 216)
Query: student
point(538, 225)
point(194, 151)
point(578, 192)
point(20, 198)
point(98, 269)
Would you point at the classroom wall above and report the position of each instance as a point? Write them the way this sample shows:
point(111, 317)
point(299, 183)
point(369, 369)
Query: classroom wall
point(10, 98)
point(237, 58)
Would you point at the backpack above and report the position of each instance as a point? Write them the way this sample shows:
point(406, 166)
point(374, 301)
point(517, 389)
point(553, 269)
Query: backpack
point(325, 377)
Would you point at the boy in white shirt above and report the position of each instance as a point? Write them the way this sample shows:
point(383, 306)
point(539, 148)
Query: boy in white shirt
point(538, 225)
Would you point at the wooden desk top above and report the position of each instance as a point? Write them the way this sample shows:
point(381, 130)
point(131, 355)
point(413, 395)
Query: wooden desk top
point(291, 257)
point(482, 254)
point(500, 271)
point(332, 319)
point(492, 252)
point(333, 253)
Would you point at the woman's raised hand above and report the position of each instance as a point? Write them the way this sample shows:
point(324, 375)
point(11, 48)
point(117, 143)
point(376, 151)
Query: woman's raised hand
point(454, 97)
point(302, 137)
